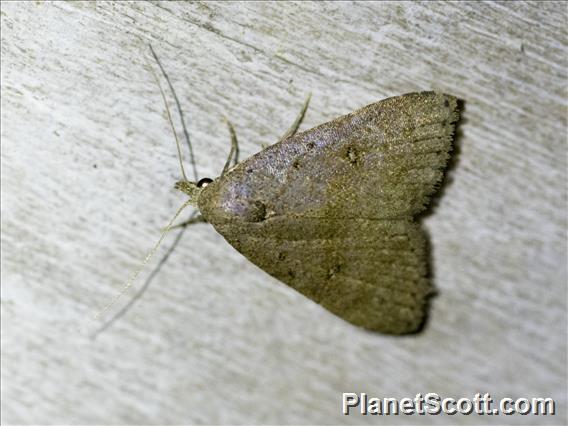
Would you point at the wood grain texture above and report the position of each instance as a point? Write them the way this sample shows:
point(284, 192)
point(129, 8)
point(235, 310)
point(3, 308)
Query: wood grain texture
point(88, 165)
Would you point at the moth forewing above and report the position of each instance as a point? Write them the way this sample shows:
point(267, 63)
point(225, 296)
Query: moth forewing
point(330, 211)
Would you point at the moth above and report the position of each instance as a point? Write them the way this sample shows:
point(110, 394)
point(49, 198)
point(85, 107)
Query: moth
point(331, 211)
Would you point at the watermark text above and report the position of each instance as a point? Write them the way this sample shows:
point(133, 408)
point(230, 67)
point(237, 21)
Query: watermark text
point(433, 404)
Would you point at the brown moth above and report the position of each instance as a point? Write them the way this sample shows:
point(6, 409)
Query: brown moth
point(331, 211)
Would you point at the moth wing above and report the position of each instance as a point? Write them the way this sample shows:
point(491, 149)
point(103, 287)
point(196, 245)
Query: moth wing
point(382, 161)
point(329, 211)
point(368, 272)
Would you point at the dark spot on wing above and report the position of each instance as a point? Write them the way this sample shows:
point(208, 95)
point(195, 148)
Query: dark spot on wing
point(333, 271)
point(352, 155)
point(257, 212)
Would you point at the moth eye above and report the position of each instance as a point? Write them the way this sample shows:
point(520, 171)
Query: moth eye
point(204, 182)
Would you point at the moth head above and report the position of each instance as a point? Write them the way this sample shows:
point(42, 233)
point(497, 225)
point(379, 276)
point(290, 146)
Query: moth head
point(193, 189)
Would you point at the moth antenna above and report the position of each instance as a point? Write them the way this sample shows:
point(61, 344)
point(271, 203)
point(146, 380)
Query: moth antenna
point(138, 270)
point(170, 120)
point(180, 112)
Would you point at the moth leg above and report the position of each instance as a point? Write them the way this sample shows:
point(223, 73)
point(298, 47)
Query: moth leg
point(142, 290)
point(190, 221)
point(234, 153)
point(292, 130)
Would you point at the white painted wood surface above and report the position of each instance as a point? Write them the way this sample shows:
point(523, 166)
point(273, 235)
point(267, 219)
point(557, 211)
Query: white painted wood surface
point(88, 164)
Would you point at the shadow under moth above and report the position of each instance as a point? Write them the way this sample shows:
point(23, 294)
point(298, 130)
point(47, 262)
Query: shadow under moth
point(331, 211)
